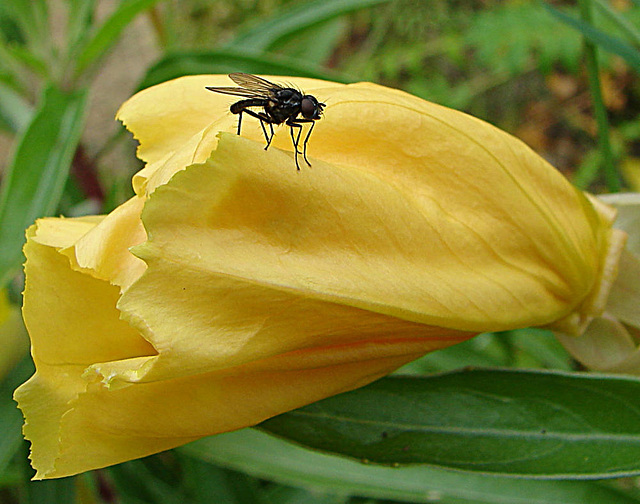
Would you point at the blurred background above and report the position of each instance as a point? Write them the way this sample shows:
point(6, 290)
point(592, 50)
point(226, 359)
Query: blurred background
point(560, 75)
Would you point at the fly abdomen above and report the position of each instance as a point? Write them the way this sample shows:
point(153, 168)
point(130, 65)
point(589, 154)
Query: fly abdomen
point(238, 107)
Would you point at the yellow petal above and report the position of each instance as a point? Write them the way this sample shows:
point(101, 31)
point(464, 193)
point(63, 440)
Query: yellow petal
point(58, 301)
point(72, 321)
point(164, 117)
point(103, 427)
point(202, 321)
point(72, 403)
point(172, 117)
point(437, 155)
point(103, 250)
point(346, 235)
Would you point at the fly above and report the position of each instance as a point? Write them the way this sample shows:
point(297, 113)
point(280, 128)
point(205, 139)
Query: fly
point(279, 105)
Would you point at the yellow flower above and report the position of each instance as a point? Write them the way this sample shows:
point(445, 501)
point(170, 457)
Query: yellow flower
point(232, 288)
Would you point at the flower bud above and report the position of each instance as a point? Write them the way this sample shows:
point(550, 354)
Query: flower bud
point(233, 288)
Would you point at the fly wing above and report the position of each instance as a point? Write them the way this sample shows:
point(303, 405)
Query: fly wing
point(255, 83)
point(236, 91)
point(251, 86)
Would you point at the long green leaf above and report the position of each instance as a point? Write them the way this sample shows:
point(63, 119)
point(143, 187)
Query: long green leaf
point(36, 176)
point(10, 416)
point(58, 491)
point(611, 175)
point(209, 483)
point(270, 458)
point(16, 55)
point(79, 19)
point(316, 44)
point(630, 31)
point(15, 112)
point(32, 17)
point(603, 40)
point(109, 32)
point(224, 61)
point(141, 481)
point(294, 20)
point(532, 424)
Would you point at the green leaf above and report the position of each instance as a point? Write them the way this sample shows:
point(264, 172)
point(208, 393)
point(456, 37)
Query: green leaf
point(109, 32)
point(10, 416)
point(533, 424)
point(485, 350)
point(208, 483)
point(210, 62)
point(58, 491)
point(79, 20)
point(18, 64)
point(603, 40)
point(536, 348)
point(15, 112)
point(9, 29)
point(34, 181)
point(295, 20)
point(528, 35)
point(588, 170)
point(316, 44)
point(290, 495)
point(609, 168)
point(264, 456)
point(618, 21)
point(32, 17)
point(13, 71)
point(148, 480)
point(532, 348)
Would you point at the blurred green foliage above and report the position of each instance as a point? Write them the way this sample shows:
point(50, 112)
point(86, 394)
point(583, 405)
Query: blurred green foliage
point(517, 63)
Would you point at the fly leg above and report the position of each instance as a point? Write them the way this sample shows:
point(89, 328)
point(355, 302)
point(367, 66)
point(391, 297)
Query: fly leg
point(295, 140)
point(266, 137)
point(306, 140)
point(264, 118)
point(297, 123)
point(242, 106)
point(265, 134)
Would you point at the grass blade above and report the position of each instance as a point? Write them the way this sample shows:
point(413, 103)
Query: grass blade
point(611, 175)
point(10, 416)
point(36, 176)
point(620, 22)
point(109, 32)
point(593, 38)
point(599, 38)
point(294, 20)
point(225, 61)
point(15, 112)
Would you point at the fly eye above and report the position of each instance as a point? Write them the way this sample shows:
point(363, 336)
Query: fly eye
point(308, 107)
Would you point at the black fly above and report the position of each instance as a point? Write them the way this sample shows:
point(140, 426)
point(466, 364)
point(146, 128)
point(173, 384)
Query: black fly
point(280, 105)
